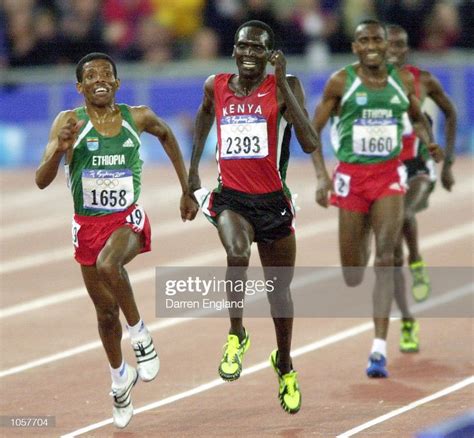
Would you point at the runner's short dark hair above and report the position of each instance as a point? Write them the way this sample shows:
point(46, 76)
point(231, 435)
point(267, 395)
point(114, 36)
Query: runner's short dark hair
point(91, 57)
point(370, 21)
point(260, 25)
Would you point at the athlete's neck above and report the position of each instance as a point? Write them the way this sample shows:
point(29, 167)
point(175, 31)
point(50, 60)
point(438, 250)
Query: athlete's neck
point(247, 86)
point(105, 114)
point(376, 75)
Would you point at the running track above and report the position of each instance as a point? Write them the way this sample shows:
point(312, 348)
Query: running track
point(52, 362)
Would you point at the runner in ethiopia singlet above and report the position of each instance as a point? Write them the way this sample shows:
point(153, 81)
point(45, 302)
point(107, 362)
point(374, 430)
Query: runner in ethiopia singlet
point(370, 127)
point(105, 172)
point(253, 138)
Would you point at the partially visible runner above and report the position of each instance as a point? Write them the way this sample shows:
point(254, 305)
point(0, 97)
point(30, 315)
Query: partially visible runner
point(254, 112)
point(366, 102)
point(101, 146)
point(421, 181)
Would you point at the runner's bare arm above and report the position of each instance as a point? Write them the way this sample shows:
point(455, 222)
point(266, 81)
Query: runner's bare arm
point(202, 126)
point(293, 96)
point(328, 105)
point(147, 121)
point(435, 91)
point(62, 136)
point(419, 122)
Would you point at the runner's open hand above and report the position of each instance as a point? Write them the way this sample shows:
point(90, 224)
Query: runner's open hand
point(436, 152)
point(188, 206)
point(68, 134)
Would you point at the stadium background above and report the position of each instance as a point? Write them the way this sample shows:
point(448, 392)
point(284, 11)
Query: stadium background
point(162, 65)
point(165, 50)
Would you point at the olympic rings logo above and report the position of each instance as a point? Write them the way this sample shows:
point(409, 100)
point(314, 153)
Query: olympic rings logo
point(107, 182)
point(241, 128)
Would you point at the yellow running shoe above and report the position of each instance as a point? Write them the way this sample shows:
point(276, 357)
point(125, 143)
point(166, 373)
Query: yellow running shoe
point(289, 392)
point(409, 342)
point(421, 287)
point(231, 363)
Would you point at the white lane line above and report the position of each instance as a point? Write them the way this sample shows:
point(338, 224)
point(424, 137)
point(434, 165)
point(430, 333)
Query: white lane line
point(417, 308)
point(174, 226)
point(450, 389)
point(167, 194)
point(80, 292)
point(317, 345)
point(463, 231)
point(149, 273)
point(215, 256)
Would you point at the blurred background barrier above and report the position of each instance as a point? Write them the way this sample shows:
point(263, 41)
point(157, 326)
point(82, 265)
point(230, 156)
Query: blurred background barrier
point(30, 99)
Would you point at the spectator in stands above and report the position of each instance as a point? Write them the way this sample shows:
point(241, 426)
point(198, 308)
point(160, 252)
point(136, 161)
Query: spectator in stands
point(409, 14)
point(205, 45)
point(441, 28)
point(21, 40)
point(122, 18)
point(48, 42)
point(224, 16)
point(82, 29)
point(153, 43)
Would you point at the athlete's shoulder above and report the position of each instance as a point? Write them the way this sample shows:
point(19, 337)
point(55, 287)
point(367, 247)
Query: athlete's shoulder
point(64, 116)
point(336, 83)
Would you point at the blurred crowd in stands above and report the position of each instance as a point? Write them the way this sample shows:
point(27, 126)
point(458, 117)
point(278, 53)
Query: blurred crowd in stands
point(42, 32)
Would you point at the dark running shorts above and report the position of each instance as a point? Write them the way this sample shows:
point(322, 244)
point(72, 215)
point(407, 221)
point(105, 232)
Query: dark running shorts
point(418, 166)
point(271, 214)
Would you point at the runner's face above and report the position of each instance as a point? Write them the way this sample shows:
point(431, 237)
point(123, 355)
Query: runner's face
point(397, 47)
point(251, 52)
point(370, 45)
point(98, 82)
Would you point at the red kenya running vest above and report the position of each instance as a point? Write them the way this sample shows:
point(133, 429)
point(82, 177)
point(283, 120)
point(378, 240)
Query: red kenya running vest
point(253, 137)
point(410, 140)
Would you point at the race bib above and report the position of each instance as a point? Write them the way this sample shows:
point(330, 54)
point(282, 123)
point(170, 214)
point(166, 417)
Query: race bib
point(342, 184)
point(110, 190)
point(136, 219)
point(374, 137)
point(243, 137)
point(75, 227)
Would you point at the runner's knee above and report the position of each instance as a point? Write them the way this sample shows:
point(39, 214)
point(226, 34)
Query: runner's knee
point(238, 255)
point(108, 317)
point(109, 270)
point(280, 302)
point(353, 276)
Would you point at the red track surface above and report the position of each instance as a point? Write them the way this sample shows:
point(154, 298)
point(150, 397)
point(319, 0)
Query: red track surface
point(336, 394)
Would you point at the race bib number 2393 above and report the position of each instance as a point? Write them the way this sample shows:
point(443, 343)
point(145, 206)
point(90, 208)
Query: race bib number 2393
point(243, 137)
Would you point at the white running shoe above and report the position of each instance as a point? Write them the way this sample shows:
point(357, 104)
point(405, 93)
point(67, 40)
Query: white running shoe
point(148, 363)
point(122, 410)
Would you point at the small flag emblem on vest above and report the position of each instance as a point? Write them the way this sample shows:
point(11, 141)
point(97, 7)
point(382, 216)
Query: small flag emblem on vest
point(92, 143)
point(361, 98)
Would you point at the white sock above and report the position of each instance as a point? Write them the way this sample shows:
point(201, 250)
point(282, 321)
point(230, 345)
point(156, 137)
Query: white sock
point(379, 346)
point(137, 330)
point(119, 375)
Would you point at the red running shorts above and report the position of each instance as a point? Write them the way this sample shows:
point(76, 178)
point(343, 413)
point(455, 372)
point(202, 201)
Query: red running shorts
point(358, 186)
point(90, 233)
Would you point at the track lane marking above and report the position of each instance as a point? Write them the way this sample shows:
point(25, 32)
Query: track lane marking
point(317, 345)
point(450, 389)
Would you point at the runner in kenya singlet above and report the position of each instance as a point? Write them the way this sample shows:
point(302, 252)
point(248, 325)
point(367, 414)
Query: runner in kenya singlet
point(105, 172)
point(370, 127)
point(412, 147)
point(253, 138)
